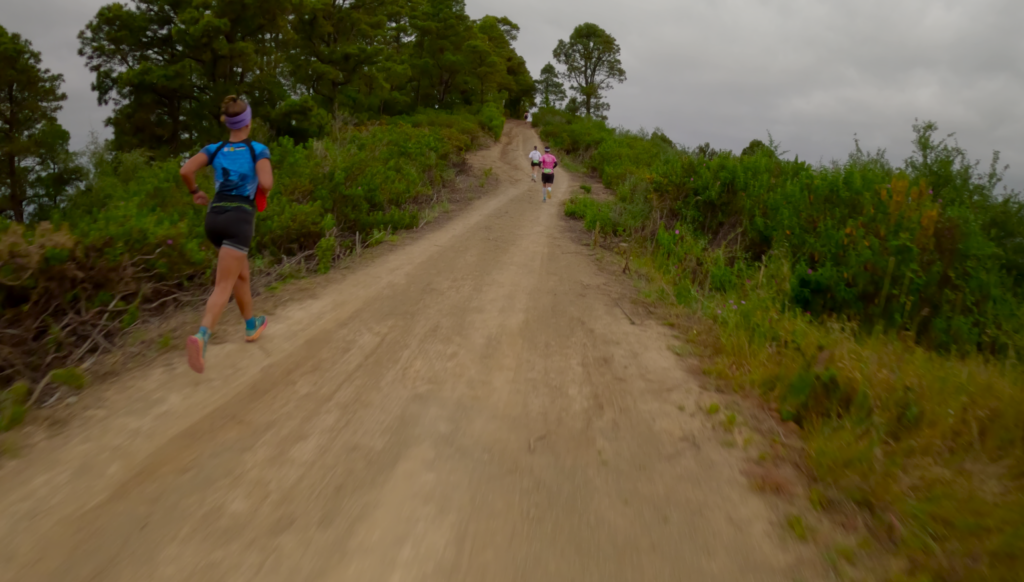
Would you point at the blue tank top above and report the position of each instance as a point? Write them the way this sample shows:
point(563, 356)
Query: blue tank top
point(234, 171)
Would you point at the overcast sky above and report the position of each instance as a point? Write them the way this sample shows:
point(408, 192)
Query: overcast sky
point(813, 72)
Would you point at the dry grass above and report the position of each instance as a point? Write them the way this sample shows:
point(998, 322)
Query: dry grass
point(923, 451)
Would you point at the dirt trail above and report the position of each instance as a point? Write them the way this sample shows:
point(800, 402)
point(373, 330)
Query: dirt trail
point(472, 405)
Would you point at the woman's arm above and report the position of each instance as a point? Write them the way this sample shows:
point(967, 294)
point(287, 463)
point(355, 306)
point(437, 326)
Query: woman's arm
point(188, 176)
point(265, 175)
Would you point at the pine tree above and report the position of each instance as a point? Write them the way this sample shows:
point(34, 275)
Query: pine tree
point(337, 47)
point(35, 164)
point(550, 89)
point(592, 65)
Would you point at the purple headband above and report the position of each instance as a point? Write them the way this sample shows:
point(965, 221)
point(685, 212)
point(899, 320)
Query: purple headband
point(241, 120)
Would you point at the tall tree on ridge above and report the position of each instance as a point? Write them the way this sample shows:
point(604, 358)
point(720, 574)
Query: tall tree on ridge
point(592, 65)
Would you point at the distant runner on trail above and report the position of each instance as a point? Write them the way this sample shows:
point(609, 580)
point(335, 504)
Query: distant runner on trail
point(548, 163)
point(534, 162)
point(242, 173)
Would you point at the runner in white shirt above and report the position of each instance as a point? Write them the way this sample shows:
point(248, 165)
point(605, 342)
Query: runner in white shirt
point(535, 162)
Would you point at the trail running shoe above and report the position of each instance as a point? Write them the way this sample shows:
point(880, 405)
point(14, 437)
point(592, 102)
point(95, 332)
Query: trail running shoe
point(253, 334)
point(196, 348)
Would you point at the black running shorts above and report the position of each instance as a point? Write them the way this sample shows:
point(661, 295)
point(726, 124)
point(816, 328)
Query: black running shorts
point(547, 178)
point(535, 163)
point(231, 226)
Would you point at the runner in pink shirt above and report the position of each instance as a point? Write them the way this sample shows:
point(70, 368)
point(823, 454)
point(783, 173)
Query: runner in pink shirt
point(548, 163)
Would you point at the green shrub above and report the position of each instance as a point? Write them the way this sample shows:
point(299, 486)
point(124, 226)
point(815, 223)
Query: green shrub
point(492, 118)
point(325, 250)
point(574, 135)
point(12, 406)
point(70, 377)
point(796, 525)
point(592, 212)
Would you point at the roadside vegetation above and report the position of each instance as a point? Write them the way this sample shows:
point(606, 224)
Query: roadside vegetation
point(878, 307)
point(368, 108)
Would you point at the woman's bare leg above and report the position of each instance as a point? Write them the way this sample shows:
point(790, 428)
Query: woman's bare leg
point(230, 263)
point(243, 291)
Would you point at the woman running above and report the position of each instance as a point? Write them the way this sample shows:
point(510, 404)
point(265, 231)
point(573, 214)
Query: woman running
point(240, 167)
point(548, 163)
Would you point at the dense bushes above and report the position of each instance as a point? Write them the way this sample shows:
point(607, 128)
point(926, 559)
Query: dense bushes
point(570, 133)
point(930, 248)
point(131, 240)
point(805, 268)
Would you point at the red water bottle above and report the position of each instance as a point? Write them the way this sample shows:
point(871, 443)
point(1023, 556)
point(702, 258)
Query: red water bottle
point(261, 199)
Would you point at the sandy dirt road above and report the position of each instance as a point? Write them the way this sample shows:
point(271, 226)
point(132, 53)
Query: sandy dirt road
point(470, 406)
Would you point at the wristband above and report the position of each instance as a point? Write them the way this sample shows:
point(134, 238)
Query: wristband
point(194, 191)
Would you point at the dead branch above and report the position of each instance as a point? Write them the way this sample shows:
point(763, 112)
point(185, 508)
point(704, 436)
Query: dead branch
point(626, 314)
point(38, 390)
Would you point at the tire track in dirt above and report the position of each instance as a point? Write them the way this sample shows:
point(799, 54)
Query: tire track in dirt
point(382, 430)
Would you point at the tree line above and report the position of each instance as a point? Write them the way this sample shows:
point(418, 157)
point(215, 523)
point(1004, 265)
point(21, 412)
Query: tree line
point(165, 65)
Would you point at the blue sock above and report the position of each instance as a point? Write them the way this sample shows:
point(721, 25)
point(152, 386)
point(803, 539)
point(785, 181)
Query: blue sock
point(204, 333)
point(250, 323)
